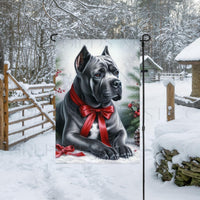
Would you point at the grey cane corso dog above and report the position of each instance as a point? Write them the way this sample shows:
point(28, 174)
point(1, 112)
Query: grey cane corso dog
point(96, 84)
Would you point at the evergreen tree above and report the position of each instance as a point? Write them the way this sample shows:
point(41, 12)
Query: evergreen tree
point(131, 113)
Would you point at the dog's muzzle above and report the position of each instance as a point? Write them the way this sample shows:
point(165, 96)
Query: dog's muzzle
point(117, 89)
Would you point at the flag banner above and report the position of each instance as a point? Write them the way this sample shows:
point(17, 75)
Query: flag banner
point(97, 101)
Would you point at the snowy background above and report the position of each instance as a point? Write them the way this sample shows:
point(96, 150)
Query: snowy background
point(29, 170)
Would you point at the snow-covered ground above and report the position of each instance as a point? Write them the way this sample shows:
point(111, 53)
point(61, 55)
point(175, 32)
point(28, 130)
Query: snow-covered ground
point(29, 170)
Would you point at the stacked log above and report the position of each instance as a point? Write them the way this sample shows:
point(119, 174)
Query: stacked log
point(184, 174)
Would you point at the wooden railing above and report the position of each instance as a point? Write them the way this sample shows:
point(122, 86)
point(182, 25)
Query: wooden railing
point(21, 113)
point(174, 76)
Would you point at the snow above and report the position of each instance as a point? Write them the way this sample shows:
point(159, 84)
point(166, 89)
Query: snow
point(93, 159)
point(43, 84)
point(1, 76)
point(29, 170)
point(167, 81)
point(6, 62)
point(175, 135)
point(151, 60)
point(190, 53)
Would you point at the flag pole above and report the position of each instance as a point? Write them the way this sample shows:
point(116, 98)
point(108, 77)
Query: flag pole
point(145, 38)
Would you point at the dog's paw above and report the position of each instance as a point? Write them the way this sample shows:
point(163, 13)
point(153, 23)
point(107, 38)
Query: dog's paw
point(109, 153)
point(124, 151)
point(105, 152)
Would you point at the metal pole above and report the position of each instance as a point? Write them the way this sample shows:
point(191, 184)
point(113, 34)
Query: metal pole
point(145, 38)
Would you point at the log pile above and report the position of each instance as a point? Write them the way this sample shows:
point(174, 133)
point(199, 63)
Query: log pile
point(184, 174)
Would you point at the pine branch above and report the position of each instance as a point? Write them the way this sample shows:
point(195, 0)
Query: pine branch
point(134, 77)
point(131, 129)
point(134, 96)
point(133, 87)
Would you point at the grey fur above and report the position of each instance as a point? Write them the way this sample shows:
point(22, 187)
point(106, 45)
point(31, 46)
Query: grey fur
point(97, 84)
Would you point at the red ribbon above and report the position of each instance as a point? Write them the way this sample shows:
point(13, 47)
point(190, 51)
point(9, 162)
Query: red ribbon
point(66, 151)
point(90, 113)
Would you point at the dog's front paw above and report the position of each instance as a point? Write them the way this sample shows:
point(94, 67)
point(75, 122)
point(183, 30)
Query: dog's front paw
point(104, 152)
point(124, 151)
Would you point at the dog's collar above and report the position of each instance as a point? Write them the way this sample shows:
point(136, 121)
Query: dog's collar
point(90, 113)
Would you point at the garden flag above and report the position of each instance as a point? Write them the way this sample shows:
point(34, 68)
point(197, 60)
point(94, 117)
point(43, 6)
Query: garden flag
point(97, 101)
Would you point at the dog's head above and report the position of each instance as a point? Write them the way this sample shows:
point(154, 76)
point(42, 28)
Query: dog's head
point(98, 76)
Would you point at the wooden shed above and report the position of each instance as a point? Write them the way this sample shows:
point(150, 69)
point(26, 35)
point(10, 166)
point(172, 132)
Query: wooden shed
point(190, 55)
point(152, 67)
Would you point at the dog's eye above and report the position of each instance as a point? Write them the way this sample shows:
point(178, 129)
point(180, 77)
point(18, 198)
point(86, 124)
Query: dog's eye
point(116, 73)
point(98, 75)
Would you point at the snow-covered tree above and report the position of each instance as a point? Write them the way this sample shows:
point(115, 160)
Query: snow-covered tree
point(26, 27)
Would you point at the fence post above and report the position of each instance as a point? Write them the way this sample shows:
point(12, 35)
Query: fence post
point(1, 116)
point(170, 102)
point(6, 107)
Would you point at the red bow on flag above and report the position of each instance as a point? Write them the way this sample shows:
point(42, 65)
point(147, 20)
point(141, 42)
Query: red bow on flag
point(90, 113)
point(66, 151)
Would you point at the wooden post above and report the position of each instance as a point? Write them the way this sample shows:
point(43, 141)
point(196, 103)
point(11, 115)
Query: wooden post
point(1, 116)
point(170, 102)
point(6, 107)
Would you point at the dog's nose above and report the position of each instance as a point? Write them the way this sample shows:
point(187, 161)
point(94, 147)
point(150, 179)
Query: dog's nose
point(116, 84)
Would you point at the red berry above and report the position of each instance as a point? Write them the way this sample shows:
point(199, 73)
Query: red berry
point(130, 105)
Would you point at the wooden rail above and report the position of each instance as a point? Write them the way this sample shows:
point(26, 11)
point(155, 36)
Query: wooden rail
point(31, 136)
point(24, 118)
point(27, 127)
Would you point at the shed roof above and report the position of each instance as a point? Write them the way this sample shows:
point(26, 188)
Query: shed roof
point(191, 53)
point(146, 57)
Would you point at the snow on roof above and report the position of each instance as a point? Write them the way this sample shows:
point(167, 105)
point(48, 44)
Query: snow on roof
point(146, 57)
point(190, 53)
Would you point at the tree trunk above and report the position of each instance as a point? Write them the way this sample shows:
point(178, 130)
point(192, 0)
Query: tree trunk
point(1, 58)
point(195, 80)
point(11, 43)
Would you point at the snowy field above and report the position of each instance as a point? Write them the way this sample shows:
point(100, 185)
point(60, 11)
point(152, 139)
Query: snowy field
point(29, 170)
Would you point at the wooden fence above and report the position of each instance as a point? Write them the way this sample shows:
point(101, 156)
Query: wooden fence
point(174, 76)
point(25, 110)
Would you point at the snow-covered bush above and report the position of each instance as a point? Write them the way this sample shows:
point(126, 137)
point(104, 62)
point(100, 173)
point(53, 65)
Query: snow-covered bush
point(177, 152)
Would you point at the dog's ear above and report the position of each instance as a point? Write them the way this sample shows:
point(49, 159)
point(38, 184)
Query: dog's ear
point(105, 51)
point(82, 59)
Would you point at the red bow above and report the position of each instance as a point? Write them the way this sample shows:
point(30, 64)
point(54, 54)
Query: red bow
point(90, 113)
point(66, 151)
